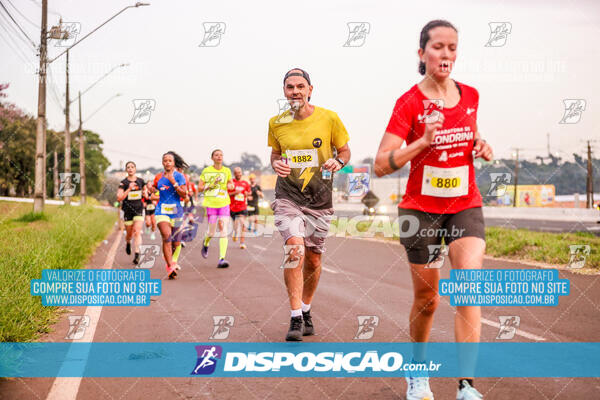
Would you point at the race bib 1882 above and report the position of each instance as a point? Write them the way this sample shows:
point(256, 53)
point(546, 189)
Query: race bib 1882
point(303, 158)
point(445, 182)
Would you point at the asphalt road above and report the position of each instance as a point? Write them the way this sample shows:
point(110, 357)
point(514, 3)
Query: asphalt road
point(360, 277)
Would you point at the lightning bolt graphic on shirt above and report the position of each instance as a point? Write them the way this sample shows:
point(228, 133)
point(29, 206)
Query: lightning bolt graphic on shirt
point(306, 175)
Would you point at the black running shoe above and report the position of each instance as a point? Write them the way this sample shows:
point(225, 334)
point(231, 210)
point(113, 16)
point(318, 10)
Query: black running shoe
point(309, 329)
point(295, 332)
point(136, 258)
point(128, 248)
point(222, 263)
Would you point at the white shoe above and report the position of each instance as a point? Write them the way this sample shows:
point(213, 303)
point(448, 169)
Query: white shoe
point(418, 388)
point(468, 392)
point(152, 236)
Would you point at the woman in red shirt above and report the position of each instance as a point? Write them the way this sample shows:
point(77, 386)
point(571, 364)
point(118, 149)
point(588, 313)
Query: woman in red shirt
point(437, 118)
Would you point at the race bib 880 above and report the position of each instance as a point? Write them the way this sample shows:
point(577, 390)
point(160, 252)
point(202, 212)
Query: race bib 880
point(445, 182)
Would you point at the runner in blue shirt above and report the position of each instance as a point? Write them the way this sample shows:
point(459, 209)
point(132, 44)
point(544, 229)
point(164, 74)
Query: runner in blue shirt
point(171, 186)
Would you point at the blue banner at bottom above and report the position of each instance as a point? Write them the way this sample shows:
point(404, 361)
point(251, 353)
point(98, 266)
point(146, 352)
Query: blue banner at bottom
point(299, 359)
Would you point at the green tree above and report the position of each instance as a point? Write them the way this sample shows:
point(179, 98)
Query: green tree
point(17, 153)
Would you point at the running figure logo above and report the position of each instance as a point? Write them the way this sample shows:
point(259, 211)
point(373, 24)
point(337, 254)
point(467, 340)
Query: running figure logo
point(213, 180)
point(149, 254)
point(499, 180)
point(431, 111)
point(291, 255)
point(207, 359)
point(185, 231)
point(77, 325)
point(579, 253)
point(358, 184)
point(66, 33)
point(437, 253)
point(285, 114)
point(222, 326)
point(68, 183)
point(573, 110)
point(366, 326)
point(213, 31)
point(357, 33)
point(142, 110)
point(499, 32)
point(508, 326)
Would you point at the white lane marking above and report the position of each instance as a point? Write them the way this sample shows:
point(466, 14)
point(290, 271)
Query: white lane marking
point(593, 228)
point(329, 270)
point(67, 388)
point(519, 332)
point(259, 247)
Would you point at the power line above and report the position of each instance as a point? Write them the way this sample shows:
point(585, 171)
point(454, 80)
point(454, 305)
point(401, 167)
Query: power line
point(22, 15)
point(18, 26)
point(14, 32)
point(17, 50)
point(13, 49)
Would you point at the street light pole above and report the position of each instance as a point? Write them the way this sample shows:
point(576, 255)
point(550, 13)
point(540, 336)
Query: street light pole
point(102, 106)
point(138, 4)
point(102, 77)
point(82, 181)
point(40, 137)
point(40, 132)
point(67, 176)
point(516, 178)
point(82, 190)
point(55, 175)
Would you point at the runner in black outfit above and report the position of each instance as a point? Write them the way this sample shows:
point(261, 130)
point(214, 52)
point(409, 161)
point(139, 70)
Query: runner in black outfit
point(130, 196)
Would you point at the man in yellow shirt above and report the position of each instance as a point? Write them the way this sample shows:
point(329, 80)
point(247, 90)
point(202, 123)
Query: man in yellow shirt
point(302, 141)
point(215, 181)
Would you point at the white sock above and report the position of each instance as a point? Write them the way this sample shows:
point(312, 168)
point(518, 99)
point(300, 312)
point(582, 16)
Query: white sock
point(297, 313)
point(305, 307)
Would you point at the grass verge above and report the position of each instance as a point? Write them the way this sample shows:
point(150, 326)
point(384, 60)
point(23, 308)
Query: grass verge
point(548, 248)
point(60, 238)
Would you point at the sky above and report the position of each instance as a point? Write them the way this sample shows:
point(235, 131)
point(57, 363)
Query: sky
point(222, 95)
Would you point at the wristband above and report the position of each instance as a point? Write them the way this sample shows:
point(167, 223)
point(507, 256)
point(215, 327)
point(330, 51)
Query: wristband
point(342, 163)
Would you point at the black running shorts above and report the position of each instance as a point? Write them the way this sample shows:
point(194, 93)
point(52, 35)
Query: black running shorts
point(235, 214)
point(421, 233)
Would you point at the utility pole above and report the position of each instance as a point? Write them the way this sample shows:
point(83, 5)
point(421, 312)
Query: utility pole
point(81, 158)
point(589, 187)
point(40, 137)
point(67, 199)
point(40, 133)
point(55, 175)
point(516, 177)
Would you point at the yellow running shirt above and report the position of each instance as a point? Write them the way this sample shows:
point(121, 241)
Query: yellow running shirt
point(307, 144)
point(215, 191)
